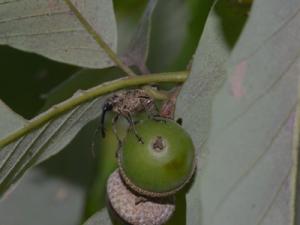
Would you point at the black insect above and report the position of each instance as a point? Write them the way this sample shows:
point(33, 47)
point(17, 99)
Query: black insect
point(127, 104)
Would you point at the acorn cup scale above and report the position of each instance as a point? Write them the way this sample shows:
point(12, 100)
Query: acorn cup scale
point(163, 163)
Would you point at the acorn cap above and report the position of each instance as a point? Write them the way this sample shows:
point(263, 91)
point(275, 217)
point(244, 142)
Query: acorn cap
point(163, 164)
point(135, 209)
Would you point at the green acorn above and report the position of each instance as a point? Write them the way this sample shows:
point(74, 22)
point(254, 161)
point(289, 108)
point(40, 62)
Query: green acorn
point(163, 163)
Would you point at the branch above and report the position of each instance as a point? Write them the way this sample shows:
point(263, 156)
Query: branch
point(87, 95)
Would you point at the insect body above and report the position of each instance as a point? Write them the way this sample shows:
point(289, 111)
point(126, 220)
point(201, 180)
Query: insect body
point(127, 104)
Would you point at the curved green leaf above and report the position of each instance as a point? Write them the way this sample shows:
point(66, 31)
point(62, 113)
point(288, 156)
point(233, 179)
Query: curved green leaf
point(44, 142)
point(168, 31)
point(243, 128)
point(49, 28)
point(197, 16)
point(137, 51)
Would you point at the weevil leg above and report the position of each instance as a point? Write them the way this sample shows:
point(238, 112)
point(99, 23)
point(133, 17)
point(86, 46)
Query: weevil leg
point(159, 118)
point(131, 124)
point(156, 109)
point(152, 112)
point(114, 129)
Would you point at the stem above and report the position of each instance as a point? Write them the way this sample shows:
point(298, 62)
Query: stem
point(111, 54)
point(168, 108)
point(84, 96)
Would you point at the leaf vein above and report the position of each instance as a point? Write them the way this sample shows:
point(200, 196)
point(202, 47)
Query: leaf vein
point(284, 180)
point(9, 1)
point(259, 47)
point(17, 161)
point(255, 161)
point(263, 94)
point(35, 156)
point(41, 33)
point(6, 20)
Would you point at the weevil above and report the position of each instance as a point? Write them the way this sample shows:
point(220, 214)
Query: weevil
point(127, 103)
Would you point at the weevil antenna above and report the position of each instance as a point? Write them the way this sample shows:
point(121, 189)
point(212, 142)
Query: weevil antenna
point(106, 107)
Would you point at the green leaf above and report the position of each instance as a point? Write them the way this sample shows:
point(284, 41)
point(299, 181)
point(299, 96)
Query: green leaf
point(42, 198)
point(137, 51)
point(168, 31)
point(197, 15)
point(239, 108)
point(55, 188)
point(106, 164)
point(42, 143)
point(49, 28)
point(101, 217)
